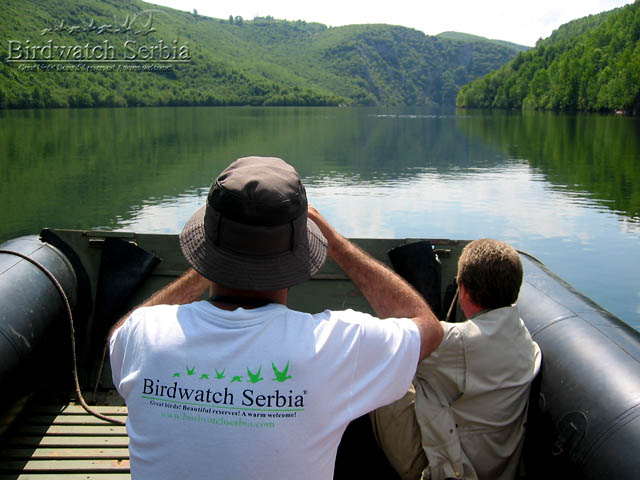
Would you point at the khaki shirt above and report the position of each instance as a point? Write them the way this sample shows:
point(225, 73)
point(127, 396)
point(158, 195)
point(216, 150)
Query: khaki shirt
point(472, 395)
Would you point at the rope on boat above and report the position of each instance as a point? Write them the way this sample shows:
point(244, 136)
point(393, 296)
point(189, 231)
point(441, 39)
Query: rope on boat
point(65, 299)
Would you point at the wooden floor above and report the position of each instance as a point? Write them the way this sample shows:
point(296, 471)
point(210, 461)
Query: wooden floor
point(64, 442)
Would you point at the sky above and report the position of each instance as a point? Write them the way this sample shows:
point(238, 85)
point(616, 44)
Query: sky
point(518, 21)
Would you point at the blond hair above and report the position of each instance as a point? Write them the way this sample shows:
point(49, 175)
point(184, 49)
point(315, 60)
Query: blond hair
point(491, 273)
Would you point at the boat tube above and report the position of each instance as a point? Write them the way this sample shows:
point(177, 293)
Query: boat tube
point(34, 327)
point(43, 284)
point(584, 411)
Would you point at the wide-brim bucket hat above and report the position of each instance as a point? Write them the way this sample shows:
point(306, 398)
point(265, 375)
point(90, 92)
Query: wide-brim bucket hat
point(253, 233)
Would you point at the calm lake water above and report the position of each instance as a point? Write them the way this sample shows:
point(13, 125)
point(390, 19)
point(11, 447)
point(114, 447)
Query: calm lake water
point(565, 188)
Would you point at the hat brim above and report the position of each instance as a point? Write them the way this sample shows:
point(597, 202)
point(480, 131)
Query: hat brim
point(248, 272)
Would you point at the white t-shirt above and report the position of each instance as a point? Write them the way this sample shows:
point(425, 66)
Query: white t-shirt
point(258, 393)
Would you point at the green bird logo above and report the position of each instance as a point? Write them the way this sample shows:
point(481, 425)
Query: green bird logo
point(204, 376)
point(281, 376)
point(254, 377)
point(237, 378)
point(177, 374)
point(190, 371)
point(220, 375)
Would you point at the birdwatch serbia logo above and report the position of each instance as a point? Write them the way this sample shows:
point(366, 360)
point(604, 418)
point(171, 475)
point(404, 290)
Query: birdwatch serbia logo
point(130, 44)
point(244, 397)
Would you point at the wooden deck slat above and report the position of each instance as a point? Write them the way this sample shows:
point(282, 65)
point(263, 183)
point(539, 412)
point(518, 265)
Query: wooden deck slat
point(78, 410)
point(62, 466)
point(96, 430)
point(68, 476)
point(53, 442)
point(63, 453)
point(69, 420)
point(62, 442)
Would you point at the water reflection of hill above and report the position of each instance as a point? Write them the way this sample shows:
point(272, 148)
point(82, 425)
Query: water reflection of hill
point(389, 147)
point(87, 168)
point(82, 168)
point(592, 155)
point(99, 167)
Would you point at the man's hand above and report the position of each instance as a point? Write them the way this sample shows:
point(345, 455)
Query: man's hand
point(388, 294)
point(186, 289)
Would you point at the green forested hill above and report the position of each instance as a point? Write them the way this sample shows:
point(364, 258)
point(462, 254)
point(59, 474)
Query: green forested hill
point(231, 61)
point(590, 64)
point(467, 37)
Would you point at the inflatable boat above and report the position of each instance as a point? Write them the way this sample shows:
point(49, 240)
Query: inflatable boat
point(584, 409)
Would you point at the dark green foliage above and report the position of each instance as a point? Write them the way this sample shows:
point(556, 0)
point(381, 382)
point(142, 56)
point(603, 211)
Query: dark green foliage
point(591, 64)
point(236, 61)
point(385, 65)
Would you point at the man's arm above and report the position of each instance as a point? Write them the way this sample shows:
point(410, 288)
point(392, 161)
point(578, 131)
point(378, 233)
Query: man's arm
point(388, 294)
point(186, 289)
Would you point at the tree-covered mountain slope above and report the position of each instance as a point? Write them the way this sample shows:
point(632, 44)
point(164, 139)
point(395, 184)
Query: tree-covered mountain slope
point(135, 53)
point(467, 37)
point(590, 64)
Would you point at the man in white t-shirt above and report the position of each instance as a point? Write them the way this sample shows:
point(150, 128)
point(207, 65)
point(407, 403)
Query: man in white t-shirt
point(240, 386)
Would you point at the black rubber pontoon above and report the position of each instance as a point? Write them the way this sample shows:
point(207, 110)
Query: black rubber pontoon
point(584, 417)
